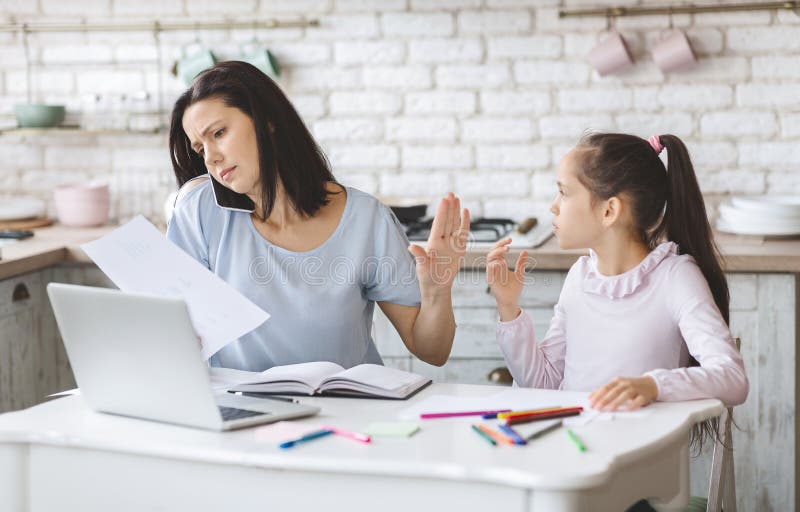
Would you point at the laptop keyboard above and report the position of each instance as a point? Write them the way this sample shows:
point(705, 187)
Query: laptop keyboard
point(232, 413)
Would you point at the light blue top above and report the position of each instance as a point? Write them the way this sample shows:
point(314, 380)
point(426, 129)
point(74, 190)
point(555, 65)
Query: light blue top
point(320, 301)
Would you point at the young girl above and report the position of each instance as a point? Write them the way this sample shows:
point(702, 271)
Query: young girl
point(640, 319)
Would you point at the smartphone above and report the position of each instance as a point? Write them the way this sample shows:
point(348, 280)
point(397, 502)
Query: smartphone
point(227, 198)
point(16, 234)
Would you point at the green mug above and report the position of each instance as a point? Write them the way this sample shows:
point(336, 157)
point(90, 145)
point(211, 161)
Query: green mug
point(192, 64)
point(260, 57)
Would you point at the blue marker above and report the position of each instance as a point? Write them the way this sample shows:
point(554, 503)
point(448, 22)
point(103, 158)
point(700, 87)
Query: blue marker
point(307, 437)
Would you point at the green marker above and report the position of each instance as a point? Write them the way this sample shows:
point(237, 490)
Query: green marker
point(576, 440)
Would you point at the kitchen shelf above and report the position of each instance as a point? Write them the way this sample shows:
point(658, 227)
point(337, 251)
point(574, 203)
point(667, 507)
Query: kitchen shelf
point(77, 130)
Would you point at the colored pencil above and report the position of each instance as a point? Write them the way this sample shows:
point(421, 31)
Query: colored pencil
point(539, 417)
point(576, 440)
point(510, 432)
point(435, 415)
point(504, 415)
point(540, 433)
point(499, 437)
point(483, 435)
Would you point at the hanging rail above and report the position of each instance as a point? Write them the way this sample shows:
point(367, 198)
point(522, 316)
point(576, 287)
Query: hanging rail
point(154, 26)
point(616, 12)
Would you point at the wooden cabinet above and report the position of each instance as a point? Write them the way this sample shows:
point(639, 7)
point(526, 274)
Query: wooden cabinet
point(33, 363)
point(20, 351)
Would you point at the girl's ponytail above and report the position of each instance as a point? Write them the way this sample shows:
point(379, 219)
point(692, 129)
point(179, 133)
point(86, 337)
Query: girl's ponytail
point(685, 221)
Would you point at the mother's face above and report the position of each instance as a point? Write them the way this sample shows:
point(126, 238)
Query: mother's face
point(226, 139)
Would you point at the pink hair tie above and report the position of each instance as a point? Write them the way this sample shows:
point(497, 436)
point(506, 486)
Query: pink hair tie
point(656, 144)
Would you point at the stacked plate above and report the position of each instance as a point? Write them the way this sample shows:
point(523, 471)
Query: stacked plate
point(761, 215)
point(18, 208)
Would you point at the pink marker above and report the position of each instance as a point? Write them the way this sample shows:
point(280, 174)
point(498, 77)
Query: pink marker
point(356, 436)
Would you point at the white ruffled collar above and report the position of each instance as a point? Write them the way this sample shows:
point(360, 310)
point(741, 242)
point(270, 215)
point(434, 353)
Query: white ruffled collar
point(615, 287)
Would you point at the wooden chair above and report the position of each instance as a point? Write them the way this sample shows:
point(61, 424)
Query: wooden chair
point(722, 486)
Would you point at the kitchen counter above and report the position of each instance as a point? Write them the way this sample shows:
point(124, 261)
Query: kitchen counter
point(57, 244)
point(49, 246)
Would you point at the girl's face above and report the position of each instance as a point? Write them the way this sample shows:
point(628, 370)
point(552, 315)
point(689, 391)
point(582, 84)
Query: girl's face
point(226, 139)
point(578, 220)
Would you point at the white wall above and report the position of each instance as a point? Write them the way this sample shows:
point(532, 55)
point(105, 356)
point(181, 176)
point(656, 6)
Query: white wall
point(415, 98)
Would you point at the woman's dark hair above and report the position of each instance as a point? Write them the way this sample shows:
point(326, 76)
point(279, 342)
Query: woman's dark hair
point(665, 202)
point(286, 149)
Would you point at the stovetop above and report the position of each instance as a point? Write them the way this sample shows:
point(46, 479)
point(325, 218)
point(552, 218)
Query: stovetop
point(484, 229)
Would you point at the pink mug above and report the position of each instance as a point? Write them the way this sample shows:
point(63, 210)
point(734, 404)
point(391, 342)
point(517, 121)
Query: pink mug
point(611, 54)
point(82, 205)
point(673, 52)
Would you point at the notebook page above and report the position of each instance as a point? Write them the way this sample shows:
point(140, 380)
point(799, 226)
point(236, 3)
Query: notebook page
point(377, 376)
point(311, 374)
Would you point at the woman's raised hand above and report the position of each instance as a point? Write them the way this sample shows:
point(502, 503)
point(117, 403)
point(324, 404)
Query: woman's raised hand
point(506, 286)
point(439, 261)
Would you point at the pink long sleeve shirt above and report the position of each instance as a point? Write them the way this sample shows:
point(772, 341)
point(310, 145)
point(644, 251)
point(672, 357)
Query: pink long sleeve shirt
point(647, 321)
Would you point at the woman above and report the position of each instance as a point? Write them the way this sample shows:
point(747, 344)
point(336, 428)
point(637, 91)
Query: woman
point(271, 220)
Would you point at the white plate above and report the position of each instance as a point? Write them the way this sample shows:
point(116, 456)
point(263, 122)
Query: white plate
point(775, 205)
point(17, 208)
point(735, 217)
point(756, 230)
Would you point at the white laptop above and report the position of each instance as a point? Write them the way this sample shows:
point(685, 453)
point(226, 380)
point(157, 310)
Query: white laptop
point(138, 355)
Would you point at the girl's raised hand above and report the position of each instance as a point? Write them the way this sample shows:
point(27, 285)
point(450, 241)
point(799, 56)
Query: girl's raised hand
point(439, 261)
point(506, 286)
point(625, 394)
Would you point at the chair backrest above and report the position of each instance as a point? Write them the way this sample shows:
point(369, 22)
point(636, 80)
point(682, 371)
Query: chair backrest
point(722, 487)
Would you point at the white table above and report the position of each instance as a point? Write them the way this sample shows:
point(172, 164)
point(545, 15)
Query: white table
point(62, 456)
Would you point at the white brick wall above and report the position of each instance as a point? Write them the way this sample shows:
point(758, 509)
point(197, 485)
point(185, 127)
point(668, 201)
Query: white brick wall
point(418, 97)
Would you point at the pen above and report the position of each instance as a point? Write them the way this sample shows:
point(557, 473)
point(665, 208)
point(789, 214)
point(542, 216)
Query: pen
point(576, 440)
point(483, 435)
point(510, 432)
point(263, 395)
point(434, 415)
point(303, 439)
point(545, 430)
point(356, 436)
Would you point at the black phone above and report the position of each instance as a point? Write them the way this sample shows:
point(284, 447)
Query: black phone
point(16, 234)
point(227, 198)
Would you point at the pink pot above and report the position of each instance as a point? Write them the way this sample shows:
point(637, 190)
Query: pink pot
point(82, 205)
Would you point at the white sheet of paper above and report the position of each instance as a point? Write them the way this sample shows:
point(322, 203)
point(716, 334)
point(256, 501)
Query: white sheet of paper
point(139, 259)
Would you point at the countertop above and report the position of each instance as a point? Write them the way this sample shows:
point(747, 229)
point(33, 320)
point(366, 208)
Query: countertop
point(58, 244)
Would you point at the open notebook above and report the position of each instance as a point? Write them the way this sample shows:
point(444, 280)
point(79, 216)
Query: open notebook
point(326, 378)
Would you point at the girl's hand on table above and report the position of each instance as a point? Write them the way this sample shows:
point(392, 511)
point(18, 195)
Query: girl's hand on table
point(625, 394)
